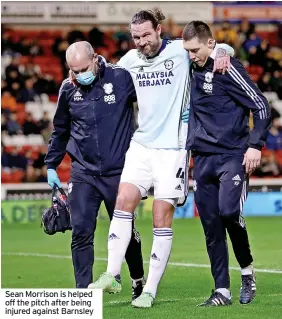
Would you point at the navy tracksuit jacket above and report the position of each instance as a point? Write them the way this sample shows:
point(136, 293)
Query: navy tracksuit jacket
point(218, 137)
point(94, 125)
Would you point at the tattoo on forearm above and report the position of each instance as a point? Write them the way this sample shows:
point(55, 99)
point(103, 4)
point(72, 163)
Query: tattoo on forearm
point(220, 53)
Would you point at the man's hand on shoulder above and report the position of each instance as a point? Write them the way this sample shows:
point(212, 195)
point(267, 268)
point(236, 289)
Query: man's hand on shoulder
point(222, 61)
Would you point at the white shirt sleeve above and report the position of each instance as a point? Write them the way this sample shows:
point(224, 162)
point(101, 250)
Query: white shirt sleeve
point(126, 60)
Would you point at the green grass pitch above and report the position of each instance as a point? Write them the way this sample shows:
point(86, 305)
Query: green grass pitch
point(32, 259)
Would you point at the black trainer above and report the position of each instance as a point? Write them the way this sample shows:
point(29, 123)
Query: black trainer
point(248, 289)
point(137, 287)
point(216, 299)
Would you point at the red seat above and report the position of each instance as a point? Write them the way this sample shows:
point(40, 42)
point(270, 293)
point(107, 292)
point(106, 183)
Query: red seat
point(34, 154)
point(254, 76)
point(5, 177)
point(24, 59)
point(21, 117)
point(53, 98)
point(20, 107)
point(278, 156)
point(17, 176)
point(64, 176)
point(9, 149)
point(67, 159)
point(271, 36)
point(64, 169)
point(46, 61)
point(267, 153)
point(26, 148)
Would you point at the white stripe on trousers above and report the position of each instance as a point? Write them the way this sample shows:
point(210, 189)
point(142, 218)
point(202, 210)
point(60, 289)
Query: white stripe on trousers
point(242, 201)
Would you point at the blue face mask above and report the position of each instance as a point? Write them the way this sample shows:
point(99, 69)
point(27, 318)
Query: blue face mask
point(85, 78)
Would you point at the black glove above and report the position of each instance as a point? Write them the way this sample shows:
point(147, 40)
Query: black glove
point(57, 218)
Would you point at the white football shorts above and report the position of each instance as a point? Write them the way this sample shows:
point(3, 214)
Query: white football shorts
point(164, 169)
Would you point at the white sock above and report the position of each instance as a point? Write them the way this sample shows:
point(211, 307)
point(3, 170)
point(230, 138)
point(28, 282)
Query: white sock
point(247, 270)
point(118, 240)
point(161, 249)
point(225, 292)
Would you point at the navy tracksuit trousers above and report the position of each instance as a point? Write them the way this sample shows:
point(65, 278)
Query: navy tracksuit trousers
point(220, 190)
point(86, 193)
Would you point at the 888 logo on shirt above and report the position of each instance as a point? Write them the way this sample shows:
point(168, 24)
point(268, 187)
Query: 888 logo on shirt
point(110, 99)
point(207, 87)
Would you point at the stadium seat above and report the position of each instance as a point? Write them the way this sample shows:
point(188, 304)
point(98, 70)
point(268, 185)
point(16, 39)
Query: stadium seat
point(53, 98)
point(67, 159)
point(64, 169)
point(15, 140)
point(271, 36)
point(278, 106)
point(44, 98)
point(255, 69)
point(21, 117)
point(254, 76)
point(49, 106)
point(64, 176)
point(17, 176)
point(46, 60)
point(5, 176)
point(278, 157)
point(35, 108)
point(25, 59)
point(34, 154)
point(34, 139)
point(9, 149)
point(20, 107)
point(271, 96)
point(5, 61)
point(30, 106)
point(266, 153)
point(26, 148)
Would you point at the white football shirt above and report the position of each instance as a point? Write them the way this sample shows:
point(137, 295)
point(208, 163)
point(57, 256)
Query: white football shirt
point(163, 88)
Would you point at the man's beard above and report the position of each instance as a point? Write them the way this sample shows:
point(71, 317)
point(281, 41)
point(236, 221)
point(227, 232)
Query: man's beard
point(153, 50)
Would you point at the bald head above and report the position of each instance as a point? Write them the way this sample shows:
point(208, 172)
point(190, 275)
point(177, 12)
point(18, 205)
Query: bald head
point(81, 57)
point(79, 51)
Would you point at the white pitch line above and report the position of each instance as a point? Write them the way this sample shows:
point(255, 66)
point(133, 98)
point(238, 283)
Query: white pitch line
point(171, 263)
point(120, 302)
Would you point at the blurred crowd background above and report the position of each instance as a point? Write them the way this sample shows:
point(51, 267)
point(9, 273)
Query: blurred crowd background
point(33, 67)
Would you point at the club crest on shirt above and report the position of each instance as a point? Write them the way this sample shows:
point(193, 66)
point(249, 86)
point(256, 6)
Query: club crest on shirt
point(209, 77)
point(168, 64)
point(108, 88)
